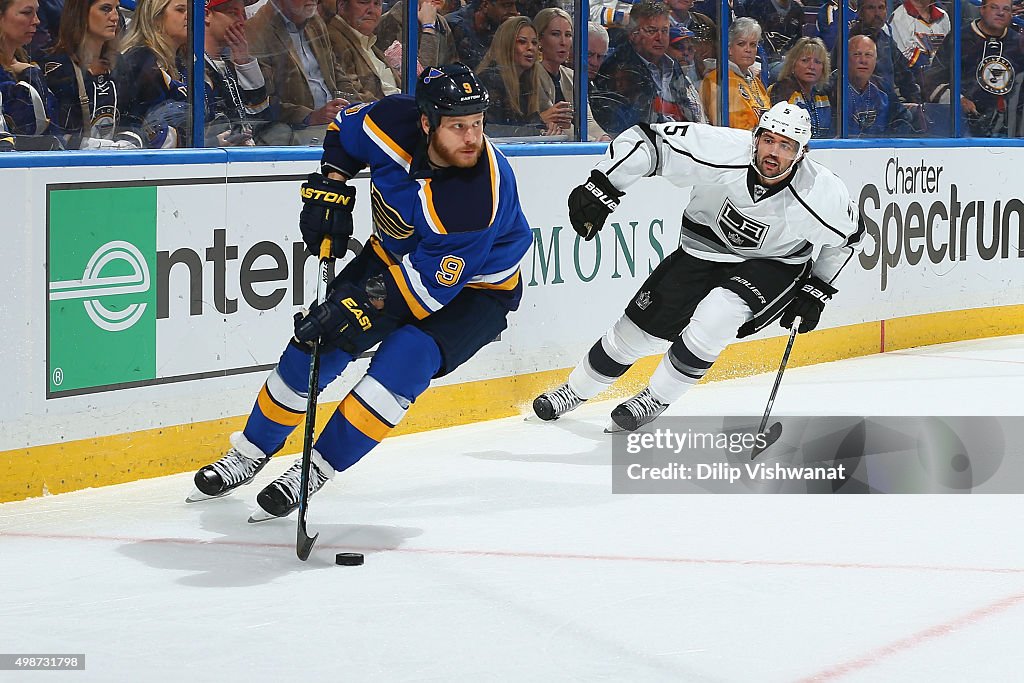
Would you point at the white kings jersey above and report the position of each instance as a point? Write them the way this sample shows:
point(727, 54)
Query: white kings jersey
point(731, 217)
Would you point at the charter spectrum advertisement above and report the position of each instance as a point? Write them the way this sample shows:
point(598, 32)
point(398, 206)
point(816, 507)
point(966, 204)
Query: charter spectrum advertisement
point(921, 209)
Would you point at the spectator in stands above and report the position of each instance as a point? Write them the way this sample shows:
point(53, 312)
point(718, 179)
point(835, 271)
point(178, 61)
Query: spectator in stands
point(554, 33)
point(892, 67)
point(78, 73)
point(872, 107)
point(803, 81)
point(782, 24)
point(50, 13)
point(512, 74)
point(303, 82)
point(991, 70)
point(474, 26)
point(748, 98)
point(640, 83)
point(597, 50)
point(356, 52)
point(918, 28)
point(151, 74)
point(681, 14)
point(705, 49)
point(436, 40)
point(236, 92)
point(681, 48)
point(27, 103)
point(829, 16)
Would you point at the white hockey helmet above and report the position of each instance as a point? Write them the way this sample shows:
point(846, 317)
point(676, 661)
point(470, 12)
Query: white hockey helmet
point(789, 120)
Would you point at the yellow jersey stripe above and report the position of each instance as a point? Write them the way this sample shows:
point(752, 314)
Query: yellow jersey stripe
point(360, 417)
point(494, 182)
point(398, 275)
point(384, 138)
point(435, 220)
point(507, 285)
point(275, 412)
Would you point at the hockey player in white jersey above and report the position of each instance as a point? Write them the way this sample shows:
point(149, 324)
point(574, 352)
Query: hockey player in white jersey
point(759, 209)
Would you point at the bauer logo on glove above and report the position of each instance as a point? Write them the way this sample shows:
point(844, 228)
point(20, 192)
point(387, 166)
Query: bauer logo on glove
point(609, 202)
point(591, 203)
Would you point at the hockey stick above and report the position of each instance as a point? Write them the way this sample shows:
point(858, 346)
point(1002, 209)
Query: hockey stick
point(773, 434)
point(303, 543)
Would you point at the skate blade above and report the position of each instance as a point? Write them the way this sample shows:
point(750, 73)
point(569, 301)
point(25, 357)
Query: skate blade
point(198, 496)
point(613, 428)
point(262, 515)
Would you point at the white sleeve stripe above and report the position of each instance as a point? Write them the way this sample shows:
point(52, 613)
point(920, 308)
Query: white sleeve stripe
point(380, 400)
point(415, 280)
point(384, 147)
point(684, 153)
point(496, 278)
point(284, 394)
point(425, 206)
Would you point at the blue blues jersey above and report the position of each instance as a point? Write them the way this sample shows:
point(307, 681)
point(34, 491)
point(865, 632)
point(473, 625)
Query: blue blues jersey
point(438, 229)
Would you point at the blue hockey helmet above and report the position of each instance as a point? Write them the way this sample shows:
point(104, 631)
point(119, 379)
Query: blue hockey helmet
point(450, 90)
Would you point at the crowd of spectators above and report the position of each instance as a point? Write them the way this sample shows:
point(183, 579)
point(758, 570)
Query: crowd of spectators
point(104, 74)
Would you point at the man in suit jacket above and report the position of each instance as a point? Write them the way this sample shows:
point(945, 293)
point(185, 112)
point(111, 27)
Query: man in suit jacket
point(291, 43)
point(354, 43)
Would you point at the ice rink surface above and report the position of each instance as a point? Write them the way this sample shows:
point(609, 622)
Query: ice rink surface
point(497, 552)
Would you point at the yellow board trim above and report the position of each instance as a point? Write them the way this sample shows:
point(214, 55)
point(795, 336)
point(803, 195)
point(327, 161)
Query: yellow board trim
point(106, 460)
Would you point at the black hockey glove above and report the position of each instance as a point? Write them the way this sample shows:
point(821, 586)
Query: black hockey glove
point(326, 212)
point(808, 304)
point(347, 319)
point(591, 203)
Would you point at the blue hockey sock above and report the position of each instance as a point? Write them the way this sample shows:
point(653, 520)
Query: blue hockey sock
point(400, 371)
point(281, 404)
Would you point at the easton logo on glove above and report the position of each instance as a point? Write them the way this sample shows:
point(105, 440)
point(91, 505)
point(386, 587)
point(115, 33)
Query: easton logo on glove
point(357, 312)
point(308, 192)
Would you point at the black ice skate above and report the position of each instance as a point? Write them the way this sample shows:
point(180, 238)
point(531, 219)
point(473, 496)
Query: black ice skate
point(633, 414)
point(281, 496)
point(552, 405)
point(236, 468)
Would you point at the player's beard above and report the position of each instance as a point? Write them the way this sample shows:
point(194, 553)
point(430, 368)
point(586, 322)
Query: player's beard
point(454, 156)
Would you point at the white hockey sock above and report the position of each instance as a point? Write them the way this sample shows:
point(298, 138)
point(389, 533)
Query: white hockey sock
point(611, 357)
point(712, 327)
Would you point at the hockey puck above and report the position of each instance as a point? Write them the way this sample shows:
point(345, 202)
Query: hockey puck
point(348, 559)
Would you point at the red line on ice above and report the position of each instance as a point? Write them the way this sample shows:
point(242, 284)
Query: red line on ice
point(921, 637)
point(531, 555)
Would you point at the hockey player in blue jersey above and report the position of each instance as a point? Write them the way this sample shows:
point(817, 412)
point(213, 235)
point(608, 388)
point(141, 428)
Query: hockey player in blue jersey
point(433, 285)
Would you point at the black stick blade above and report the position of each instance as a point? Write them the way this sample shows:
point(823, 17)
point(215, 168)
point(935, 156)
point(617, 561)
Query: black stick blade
point(304, 544)
point(771, 435)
